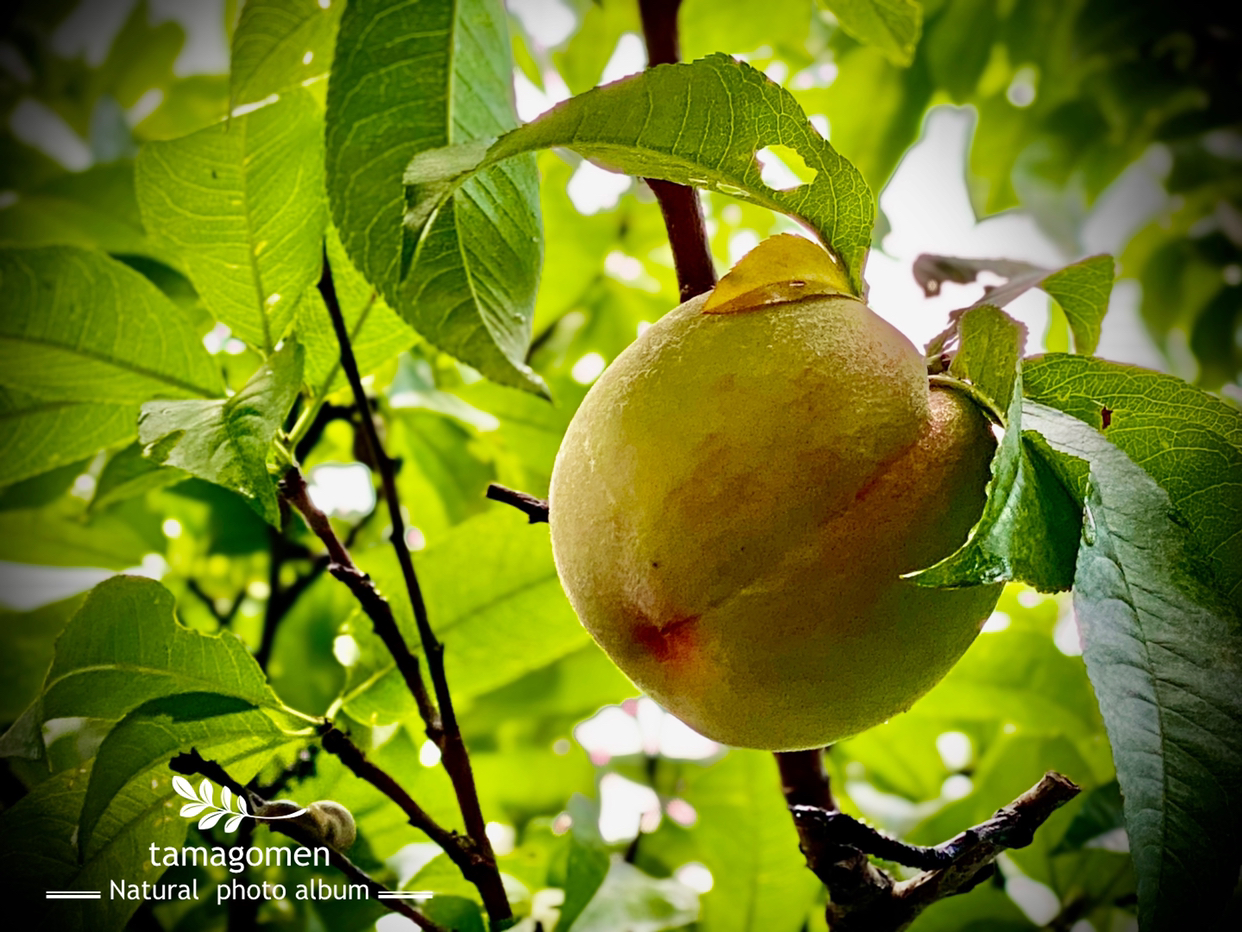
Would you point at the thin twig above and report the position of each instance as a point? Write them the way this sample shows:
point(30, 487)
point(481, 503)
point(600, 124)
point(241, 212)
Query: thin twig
point(683, 214)
point(535, 509)
point(193, 763)
point(446, 733)
point(341, 565)
point(223, 618)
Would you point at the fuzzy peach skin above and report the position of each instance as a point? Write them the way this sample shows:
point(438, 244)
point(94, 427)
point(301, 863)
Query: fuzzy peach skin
point(735, 501)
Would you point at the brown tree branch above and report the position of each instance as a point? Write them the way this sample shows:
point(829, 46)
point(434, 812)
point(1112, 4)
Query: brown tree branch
point(864, 898)
point(535, 509)
point(683, 214)
point(460, 849)
point(445, 732)
point(193, 763)
point(341, 565)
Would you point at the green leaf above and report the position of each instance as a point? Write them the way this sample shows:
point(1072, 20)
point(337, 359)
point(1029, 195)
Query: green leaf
point(456, 913)
point(65, 534)
point(1100, 814)
point(991, 348)
point(376, 334)
point(220, 727)
point(123, 648)
point(587, 865)
point(40, 435)
point(892, 26)
point(128, 474)
point(243, 204)
point(1082, 290)
point(630, 899)
point(495, 628)
point(227, 442)
point(1189, 441)
point(280, 45)
point(986, 909)
point(1165, 657)
point(27, 643)
point(469, 284)
point(40, 852)
point(699, 124)
point(1029, 528)
point(748, 842)
point(41, 489)
point(95, 209)
point(79, 326)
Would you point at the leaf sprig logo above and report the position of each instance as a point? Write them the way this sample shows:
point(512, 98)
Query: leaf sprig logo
point(203, 804)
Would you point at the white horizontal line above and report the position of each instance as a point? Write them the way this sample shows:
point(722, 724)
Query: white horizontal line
point(413, 895)
point(74, 895)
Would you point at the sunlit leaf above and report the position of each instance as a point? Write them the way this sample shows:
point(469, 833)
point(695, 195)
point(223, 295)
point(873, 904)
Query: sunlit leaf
point(469, 284)
point(123, 648)
point(227, 442)
point(280, 45)
point(218, 726)
point(81, 327)
point(893, 26)
point(242, 203)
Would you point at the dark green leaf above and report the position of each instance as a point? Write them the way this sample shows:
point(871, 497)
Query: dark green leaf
point(1029, 528)
point(893, 26)
point(1164, 654)
point(227, 442)
point(27, 641)
point(128, 473)
point(1100, 814)
point(1189, 441)
point(699, 124)
point(280, 45)
point(470, 282)
point(40, 852)
point(82, 327)
point(243, 205)
point(991, 345)
point(220, 727)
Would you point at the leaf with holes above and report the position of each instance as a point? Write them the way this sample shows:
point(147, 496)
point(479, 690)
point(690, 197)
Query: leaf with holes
point(1164, 653)
point(1188, 440)
point(698, 124)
